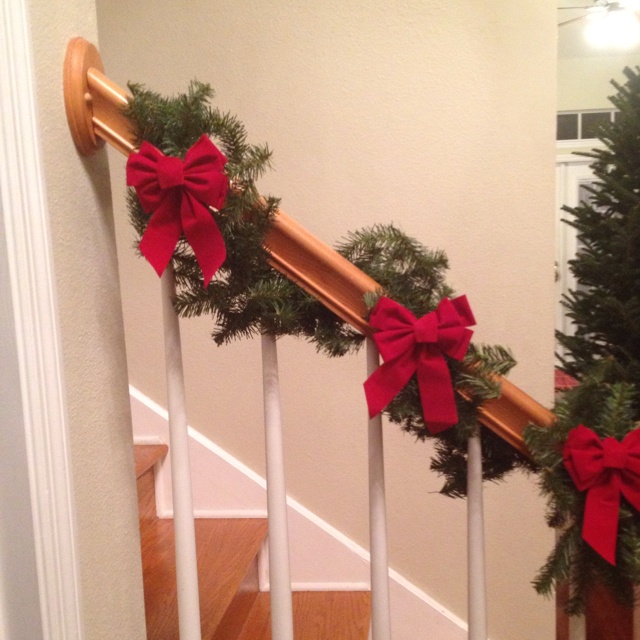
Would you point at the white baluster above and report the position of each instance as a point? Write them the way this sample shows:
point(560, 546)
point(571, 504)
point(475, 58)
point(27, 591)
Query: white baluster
point(578, 628)
point(636, 614)
point(186, 560)
point(279, 572)
point(380, 601)
point(475, 541)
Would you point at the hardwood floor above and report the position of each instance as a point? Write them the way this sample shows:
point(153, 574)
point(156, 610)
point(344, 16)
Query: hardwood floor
point(146, 455)
point(227, 550)
point(317, 615)
point(231, 606)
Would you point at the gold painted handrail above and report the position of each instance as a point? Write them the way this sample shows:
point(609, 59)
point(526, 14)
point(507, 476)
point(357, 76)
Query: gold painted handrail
point(94, 106)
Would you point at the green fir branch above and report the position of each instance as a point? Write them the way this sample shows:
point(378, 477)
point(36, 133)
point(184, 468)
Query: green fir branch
point(247, 297)
point(609, 410)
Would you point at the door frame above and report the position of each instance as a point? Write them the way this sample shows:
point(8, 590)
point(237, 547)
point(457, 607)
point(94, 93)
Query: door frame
point(25, 218)
point(572, 171)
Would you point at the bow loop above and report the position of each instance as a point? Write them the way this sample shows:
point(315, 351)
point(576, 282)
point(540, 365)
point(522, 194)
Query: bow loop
point(395, 327)
point(606, 469)
point(454, 341)
point(417, 346)
point(204, 173)
point(178, 195)
point(454, 316)
point(463, 314)
point(447, 314)
point(583, 456)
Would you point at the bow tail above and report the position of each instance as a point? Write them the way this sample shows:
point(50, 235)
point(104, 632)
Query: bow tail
point(600, 527)
point(386, 382)
point(203, 235)
point(161, 236)
point(436, 393)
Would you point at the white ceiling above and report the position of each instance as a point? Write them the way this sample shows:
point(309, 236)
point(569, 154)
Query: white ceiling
point(571, 42)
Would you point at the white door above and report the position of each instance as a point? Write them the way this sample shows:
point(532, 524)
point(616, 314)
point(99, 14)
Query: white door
point(573, 174)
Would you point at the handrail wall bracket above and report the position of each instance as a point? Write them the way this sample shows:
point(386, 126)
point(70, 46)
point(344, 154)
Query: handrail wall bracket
point(94, 104)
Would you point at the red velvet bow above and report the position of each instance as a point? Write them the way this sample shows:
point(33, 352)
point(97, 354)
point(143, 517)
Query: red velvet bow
point(178, 194)
point(409, 345)
point(605, 469)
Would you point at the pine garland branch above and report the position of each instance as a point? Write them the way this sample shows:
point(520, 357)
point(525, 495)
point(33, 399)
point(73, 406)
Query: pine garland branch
point(557, 568)
point(608, 409)
point(247, 297)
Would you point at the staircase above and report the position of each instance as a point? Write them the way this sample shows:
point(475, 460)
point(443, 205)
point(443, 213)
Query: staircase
point(231, 605)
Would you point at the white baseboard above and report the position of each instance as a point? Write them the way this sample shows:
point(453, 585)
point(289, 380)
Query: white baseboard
point(322, 558)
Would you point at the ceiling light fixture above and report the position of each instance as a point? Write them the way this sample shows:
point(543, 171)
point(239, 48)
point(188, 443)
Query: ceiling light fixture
point(613, 25)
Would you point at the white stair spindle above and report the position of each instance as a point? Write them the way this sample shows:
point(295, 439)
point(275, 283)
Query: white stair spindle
point(477, 595)
point(185, 540)
point(279, 572)
point(578, 628)
point(577, 625)
point(636, 614)
point(380, 600)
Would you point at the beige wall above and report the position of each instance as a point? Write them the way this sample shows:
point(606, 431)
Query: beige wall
point(94, 361)
point(436, 116)
point(585, 83)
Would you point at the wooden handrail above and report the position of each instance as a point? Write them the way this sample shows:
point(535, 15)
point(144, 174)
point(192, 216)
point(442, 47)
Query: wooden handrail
point(94, 106)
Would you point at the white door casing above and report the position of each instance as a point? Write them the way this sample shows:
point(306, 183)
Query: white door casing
point(572, 174)
point(29, 279)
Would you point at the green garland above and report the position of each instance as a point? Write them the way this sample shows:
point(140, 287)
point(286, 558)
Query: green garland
point(247, 297)
point(608, 409)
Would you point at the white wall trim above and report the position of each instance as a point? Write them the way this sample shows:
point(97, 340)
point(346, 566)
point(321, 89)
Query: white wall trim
point(572, 158)
point(37, 334)
point(427, 599)
point(329, 586)
point(221, 513)
point(409, 603)
point(585, 144)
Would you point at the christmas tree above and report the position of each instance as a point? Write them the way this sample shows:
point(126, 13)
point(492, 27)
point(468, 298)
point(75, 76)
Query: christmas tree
point(604, 355)
point(605, 307)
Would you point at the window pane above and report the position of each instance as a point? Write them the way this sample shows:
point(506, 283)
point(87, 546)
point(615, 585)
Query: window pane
point(591, 123)
point(567, 126)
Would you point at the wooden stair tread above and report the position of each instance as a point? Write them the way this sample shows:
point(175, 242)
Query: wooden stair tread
point(146, 455)
point(227, 549)
point(231, 608)
point(317, 615)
